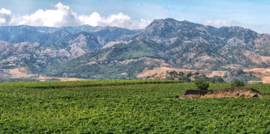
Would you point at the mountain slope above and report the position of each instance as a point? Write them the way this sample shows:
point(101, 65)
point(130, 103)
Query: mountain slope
point(40, 47)
point(172, 43)
point(49, 35)
point(113, 62)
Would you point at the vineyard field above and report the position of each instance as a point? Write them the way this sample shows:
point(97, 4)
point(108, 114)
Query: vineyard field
point(130, 109)
point(86, 83)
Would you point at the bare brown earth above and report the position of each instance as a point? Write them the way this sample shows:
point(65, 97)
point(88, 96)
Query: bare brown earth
point(233, 92)
point(263, 73)
point(162, 69)
point(217, 73)
point(24, 73)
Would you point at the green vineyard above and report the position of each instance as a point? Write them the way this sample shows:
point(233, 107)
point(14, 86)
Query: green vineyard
point(31, 108)
point(87, 83)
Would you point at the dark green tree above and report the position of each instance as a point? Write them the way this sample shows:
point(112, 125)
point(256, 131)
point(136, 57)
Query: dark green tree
point(181, 74)
point(237, 83)
point(189, 74)
point(202, 85)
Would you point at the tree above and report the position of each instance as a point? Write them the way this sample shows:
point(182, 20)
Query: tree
point(181, 74)
point(189, 74)
point(237, 83)
point(174, 73)
point(202, 85)
point(196, 73)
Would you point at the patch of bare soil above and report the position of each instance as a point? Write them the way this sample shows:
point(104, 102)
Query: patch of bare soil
point(25, 73)
point(217, 73)
point(263, 73)
point(233, 92)
point(160, 70)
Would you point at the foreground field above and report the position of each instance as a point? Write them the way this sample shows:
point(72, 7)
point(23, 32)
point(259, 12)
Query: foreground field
point(77, 84)
point(133, 109)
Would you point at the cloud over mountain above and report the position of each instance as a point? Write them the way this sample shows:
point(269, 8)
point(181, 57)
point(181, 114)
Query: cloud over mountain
point(4, 16)
point(64, 16)
point(221, 23)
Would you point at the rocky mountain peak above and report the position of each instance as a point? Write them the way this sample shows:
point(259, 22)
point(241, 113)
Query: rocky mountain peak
point(161, 23)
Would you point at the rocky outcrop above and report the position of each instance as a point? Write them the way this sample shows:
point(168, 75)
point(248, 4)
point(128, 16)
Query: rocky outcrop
point(220, 93)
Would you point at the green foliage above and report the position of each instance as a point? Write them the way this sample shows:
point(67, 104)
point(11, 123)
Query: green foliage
point(170, 78)
point(16, 80)
point(189, 74)
point(196, 73)
point(106, 68)
point(181, 74)
point(86, 83)
point(202, 85)
point(184, 79)
point(237, 83)
point(174, 73)
point(130, 109)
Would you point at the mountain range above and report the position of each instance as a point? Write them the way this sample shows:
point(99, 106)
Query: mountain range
point(40, 47)
point(112, 52)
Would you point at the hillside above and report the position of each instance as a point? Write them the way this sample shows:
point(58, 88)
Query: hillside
point(174, 44)
point(183, 75)
point(23, 74)
point(38, 48)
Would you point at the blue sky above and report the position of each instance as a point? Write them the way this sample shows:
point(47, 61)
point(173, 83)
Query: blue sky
point(133, 14)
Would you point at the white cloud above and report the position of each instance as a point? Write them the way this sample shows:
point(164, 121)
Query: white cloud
point(4, 16)
point(64, 16)
point(5, 11)
point(119, 20)
point(221, 23)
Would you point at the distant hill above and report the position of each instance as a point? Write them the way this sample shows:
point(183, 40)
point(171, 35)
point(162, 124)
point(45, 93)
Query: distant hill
point(44, 35)
point(183, 76)
point(38, 48)
point(174, 44)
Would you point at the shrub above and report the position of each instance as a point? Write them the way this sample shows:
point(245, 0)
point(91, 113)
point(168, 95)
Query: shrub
point(237, 83)
point(189, 74)
point(202, 85)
